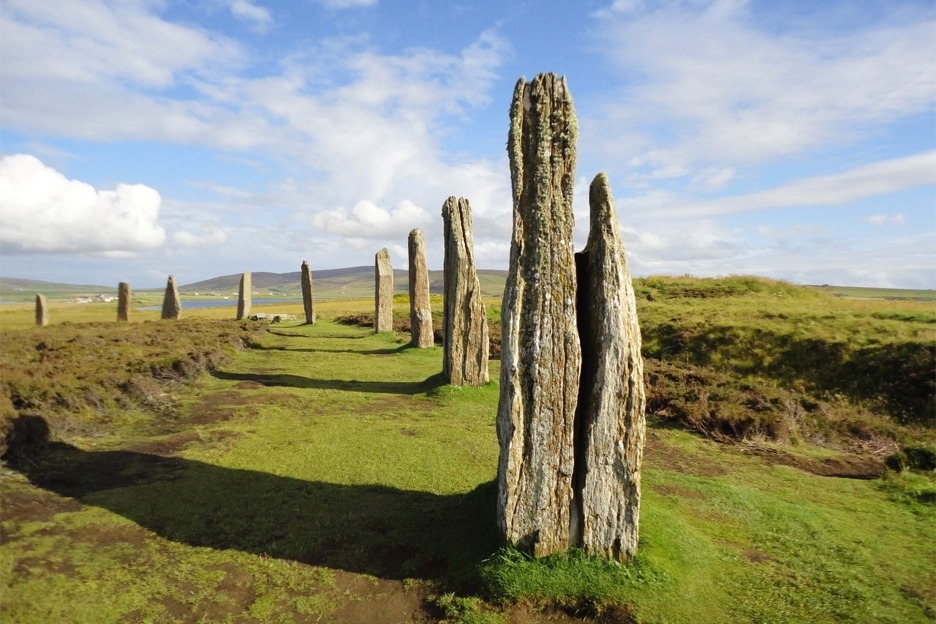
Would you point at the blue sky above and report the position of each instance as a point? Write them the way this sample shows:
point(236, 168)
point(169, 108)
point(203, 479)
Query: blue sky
point(790, 139)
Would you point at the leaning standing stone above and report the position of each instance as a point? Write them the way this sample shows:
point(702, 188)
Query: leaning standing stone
point(465, 350)
point(383, 292)
point(42, 310)
point(308, 298)
point(244, 296)
point(172, 305)
point(123, 301)
point(421, 335)
point(540, 353)
point(610, 424)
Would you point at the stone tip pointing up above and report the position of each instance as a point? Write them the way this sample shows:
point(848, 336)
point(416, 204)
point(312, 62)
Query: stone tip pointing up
point(610, 418)
point(123, 301)
point(42, 310)
point(308, 296)
point(383, 292)
point(466, 346)
point(420, 312)
point(172, 305)
point(244, 296)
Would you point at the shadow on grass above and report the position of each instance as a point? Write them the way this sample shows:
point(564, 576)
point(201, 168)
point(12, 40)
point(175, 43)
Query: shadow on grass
point(350, 385)
point(367, 529)
point(387, 351)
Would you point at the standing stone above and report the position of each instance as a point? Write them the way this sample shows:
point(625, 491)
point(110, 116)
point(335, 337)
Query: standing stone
point(610, 416)
point(308, 298)
point(244, 296)
point(465, 352)
point(42, 310)
point(383, 292)
point(540, 352)
point(123, 301)
point(421, 335)
point(172, 305)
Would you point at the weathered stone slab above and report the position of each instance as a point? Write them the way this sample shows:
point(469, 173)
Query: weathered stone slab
point(421, 335)
point(465, 348)
point(540, 352)
point(308, 294)
point(123, 301)
point(42, 310)
point(244, 298)
point(172, 304)
point(611, 424)
point(383, 292)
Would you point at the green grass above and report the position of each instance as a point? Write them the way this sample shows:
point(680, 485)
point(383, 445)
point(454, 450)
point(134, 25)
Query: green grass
point(328, 470)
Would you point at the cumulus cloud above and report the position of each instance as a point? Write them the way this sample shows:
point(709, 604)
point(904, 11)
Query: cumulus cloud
point(367, 220)
point(43, 211)
point(208, 235)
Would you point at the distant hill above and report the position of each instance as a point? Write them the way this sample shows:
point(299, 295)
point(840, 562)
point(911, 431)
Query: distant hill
point(346, 283)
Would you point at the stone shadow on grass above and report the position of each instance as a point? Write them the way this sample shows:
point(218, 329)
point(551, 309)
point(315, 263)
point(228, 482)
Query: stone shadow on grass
point(350, 385)
point(366, 529)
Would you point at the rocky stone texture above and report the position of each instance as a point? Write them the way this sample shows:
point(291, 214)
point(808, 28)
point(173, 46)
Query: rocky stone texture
point(421, 335)
point(123, 301)
point(464, 319)
point(540, 353)
point(172, 304)
point(42, 310)
point(610, 417)
point(308, 294)
point(383, 292)
point(244, 296)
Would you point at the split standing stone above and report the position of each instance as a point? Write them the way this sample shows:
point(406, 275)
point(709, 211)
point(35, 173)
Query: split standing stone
point(465, 352)
point(540, 352)
point(308, 297)
point(123, 301)
point(383, 292)
point(421, 335)
point(244, 296)
point(611, 423)
point(172, 305)
point(42, 310)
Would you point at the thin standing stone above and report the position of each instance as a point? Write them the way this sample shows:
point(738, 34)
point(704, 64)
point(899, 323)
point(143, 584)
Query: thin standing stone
point(123, 301)
point(465, 350)
point(421, 335)
point(540, 350)
point(42, 310)
point(244, 292)
point(172, 304)
point(383, 292)
point(308, 294)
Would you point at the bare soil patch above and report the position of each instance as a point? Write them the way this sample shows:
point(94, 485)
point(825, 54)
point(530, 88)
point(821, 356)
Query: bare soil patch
point(379, 601)
point(849, 466)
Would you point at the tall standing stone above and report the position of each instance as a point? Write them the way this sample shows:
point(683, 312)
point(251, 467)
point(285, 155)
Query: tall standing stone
point(42, 310)
point(244, 292)
point(123, 301)
point(172, 305)
point(383, 292)
point(421, 335)
point(465, 353)
point(308, 296)
point(611, 424)
point(540, 352)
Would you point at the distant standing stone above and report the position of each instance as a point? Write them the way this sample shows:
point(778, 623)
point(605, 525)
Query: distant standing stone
point(172, 305)
point(383, 292)
point(308, 296)
point(465, 350)
point(244, 296)
point(540, 351)
point(421, 335)
point(610, 425)
point(123, 301)
point(42, 310)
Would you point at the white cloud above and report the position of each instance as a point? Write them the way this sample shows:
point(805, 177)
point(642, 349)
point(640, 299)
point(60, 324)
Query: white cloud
point(366, 220)
point(347, 4)
point(878, 178)
point(883, 219)
point(207, 236)
point(43, 211)
point(247, 10)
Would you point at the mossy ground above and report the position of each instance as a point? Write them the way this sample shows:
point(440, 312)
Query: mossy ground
point(327, 474)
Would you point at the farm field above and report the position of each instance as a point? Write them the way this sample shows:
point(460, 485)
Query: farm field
point(209, 470)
